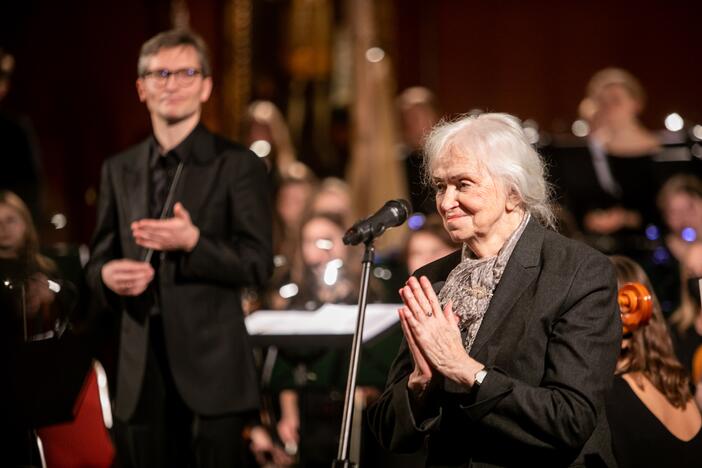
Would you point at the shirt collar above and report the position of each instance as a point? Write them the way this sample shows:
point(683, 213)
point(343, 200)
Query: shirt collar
point(181, 152)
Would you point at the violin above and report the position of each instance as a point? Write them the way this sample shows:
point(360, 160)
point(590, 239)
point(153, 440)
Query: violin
point(636, 306)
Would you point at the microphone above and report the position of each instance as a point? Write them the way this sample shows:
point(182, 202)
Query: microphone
point(392, 214)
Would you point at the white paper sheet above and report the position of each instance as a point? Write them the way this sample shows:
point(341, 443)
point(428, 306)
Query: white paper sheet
point(330, 319)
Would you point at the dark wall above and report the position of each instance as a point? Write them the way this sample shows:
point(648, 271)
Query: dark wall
point(534, 58)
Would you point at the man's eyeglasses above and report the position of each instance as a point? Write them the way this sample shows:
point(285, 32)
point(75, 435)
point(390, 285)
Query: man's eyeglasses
point(182, 77)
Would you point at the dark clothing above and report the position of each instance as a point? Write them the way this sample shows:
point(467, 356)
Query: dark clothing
point(20, 163)
point(164, 432)
point(686, 345)
point(640, 439)
point(573, 172)
point(223, 187)
point(421, 196)
point(549, 341)
point(637, 179)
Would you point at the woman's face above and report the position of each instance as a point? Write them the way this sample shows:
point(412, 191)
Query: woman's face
point(321, 243)
point(682, 210)
point(332, 201)
point(424, 248)
point(472, 204)
point(291, 202)
point(615, 105)
point(12, 230)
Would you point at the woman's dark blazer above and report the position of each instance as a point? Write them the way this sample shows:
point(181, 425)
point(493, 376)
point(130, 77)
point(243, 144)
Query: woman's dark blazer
point(549, 340)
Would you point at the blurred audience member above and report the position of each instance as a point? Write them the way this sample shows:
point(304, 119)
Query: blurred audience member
point(621, 148)
point(334, 197)
point(21, 261)
point(18, 147)
point(607, 180)
point(428, 243)
point(294, 193)
point(268, 136)
point(418, 114)
point(291, 200)
point(35, 306)
point(327, 271)
point(652, 415)
point(18, 236)
point(680, 202)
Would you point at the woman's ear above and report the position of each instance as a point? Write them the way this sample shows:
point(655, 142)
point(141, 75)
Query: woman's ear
point(513, 200)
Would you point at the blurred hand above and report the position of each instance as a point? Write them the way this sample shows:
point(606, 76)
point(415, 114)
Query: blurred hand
point(176, 233)
point(289, 430)
point(611, 220)
point(38, 294)
point(689, 254)
point(265, 451)
point(127, 277)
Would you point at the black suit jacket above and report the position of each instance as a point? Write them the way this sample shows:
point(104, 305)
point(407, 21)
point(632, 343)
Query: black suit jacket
point(225, 189)
point(549, 340)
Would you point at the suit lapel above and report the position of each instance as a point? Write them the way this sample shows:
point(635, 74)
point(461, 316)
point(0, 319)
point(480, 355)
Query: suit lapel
point(519, 273)
point(197, 175)
point(135, 193)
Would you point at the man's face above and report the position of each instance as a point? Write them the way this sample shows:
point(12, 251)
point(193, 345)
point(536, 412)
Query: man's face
point(174, 101)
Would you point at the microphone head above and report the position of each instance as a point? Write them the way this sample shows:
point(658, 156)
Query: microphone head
point(393, 213)
point(404, 209)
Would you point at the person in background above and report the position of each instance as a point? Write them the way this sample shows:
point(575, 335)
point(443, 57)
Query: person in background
point(680, 203)
point(18, 236)
point(418, 114)
point(651, 412)
point(607, 179)
point(428, 243)
point(187, 385)
point(291, 201)
point(19, 154)
point(325, 272)
point(268, 136)
point(333, 197)
point(20, 257)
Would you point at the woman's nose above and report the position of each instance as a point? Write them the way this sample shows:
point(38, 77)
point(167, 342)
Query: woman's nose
point(448, 199)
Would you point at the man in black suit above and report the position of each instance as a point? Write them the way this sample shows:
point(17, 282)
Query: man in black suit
point(186, 382)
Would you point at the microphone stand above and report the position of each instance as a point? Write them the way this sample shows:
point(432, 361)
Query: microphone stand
point(342, 460)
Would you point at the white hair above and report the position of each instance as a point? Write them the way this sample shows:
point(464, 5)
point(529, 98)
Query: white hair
point(498, 142)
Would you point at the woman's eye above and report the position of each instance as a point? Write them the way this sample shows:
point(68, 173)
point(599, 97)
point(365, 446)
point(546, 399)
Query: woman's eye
point(464, 184)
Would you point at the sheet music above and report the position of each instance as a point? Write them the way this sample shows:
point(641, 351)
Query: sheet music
point(330, 319)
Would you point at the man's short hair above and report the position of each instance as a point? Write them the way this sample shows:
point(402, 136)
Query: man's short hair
point(174, 38)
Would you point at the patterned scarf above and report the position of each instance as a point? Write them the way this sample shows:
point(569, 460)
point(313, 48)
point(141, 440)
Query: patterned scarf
point(471, 283)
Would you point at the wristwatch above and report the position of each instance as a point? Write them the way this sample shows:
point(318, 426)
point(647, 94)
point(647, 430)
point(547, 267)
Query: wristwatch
point(480, 376)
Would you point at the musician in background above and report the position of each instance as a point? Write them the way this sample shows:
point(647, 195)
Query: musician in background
point(608, 180)
point(680, 202)
point(186, 384)
point(651, 412)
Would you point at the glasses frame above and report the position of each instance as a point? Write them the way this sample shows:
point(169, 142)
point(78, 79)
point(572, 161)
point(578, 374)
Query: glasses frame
point(181, 77)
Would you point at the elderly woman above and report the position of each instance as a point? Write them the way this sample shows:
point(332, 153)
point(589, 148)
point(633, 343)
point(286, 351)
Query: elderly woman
point(510, 363)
